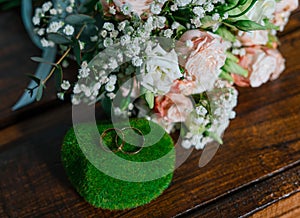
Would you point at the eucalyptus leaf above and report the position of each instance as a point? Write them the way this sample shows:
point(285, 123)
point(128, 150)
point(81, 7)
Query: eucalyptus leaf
point(40, 91)
point(106, 105)
point(34, 78)
point(88, 6)
point(79, 19)
point(42, 60)
point(77, 52)
point(58, 74)
point(59, 38)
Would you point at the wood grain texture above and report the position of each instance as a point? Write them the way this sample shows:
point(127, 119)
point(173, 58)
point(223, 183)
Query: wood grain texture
point(286, 208)
point(259, 163)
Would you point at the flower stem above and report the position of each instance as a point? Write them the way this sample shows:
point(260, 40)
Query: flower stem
point(63, 56)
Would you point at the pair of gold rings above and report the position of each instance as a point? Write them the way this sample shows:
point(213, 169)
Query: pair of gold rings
point(120, 133)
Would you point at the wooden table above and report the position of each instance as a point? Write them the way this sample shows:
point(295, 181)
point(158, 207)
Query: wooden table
point(256, 172)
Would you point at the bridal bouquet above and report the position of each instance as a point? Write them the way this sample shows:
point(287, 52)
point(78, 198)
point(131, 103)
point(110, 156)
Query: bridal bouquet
point(175, 62)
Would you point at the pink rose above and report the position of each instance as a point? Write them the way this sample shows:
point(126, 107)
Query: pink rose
point(262, 63)
point(280, 62)
point(259, 37)
point(286, 6)
point(173, 107)
point(138, 6)
point(202, 54)
point(283, 12)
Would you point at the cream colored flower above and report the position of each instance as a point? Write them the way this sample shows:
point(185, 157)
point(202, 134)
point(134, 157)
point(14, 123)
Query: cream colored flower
point(161, 69)
point(283, 12)
point(259, 37)
point(261, 10)
point(173, 107)
point(280, 62)
point(263, 64)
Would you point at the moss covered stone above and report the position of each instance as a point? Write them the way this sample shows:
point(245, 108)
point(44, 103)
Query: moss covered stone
point(109, 192)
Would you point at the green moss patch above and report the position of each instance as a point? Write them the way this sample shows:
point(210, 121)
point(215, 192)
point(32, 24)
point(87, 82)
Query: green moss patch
point(103, 190)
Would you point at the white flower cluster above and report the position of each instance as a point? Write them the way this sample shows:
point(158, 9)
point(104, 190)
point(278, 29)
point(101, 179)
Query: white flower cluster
point(201, 9)
point(43, 16)
point(203, 127)
point(128, 41)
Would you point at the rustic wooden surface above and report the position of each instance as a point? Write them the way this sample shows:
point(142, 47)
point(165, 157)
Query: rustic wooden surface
point(256, 170)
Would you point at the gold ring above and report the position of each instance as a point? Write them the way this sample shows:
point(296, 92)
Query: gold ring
point(119, 147)
point(140, 146)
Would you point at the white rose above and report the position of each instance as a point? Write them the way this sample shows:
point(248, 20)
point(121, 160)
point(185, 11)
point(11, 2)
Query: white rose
point(261, 10)
point(161, 70)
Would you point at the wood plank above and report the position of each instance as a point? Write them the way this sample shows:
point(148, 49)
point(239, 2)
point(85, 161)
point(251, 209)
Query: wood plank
point(256, 196)
point(287, 208)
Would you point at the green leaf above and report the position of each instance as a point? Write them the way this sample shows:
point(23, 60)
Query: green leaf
point(272, 39)
point(79, 19)
point(40, 91)
point(77, 52)
point(226, 34)
point(34, 78)
point(58, 75)
point(106, 105)
point(270, 25)
point(42, 60)
point(207, 22)
point(248, 25)
point(58, 38)
point(226, 76)
point(216, 137)
point(232, 57)
point(124, 103)
point(149, 96)
point(233, 67)
point(88, 6)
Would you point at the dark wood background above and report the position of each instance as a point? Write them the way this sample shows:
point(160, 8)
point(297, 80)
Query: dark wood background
point(256, 172)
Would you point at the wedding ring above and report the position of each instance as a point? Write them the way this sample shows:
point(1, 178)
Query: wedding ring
point(118, 147)
point(140, 147)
